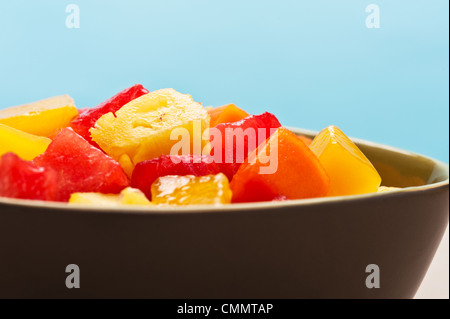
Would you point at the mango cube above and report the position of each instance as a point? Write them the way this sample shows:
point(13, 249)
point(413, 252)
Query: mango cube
point(191, 190)
point(129, 196)
point(349, 169)
point(41, 118)
point(26, 146)
point(159, 123)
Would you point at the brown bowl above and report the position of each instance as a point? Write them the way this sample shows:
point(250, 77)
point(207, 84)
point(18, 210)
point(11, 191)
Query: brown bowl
point(317, 248)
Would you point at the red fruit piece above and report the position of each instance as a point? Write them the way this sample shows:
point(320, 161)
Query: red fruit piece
point(232, 142)
point(146, 172)
point(25, 180)
point(81, 167)
point(87, 117)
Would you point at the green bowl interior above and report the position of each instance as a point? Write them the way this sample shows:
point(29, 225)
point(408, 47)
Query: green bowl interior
point(399, 168)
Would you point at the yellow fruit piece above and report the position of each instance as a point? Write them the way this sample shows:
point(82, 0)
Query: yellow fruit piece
point(26, 146)
point(142, 129)
point(94, 199)
point(191, 190)
point(349, 169)
point(41, 118)
point(383, 189)
point(127, 164)
point(129, 196)
point(132, 196)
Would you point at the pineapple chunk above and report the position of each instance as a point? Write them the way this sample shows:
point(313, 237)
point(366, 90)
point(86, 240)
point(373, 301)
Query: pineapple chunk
point(129, 196)
point(191, 190)
point(41, 118)
point(127, 165)
point(132, 196)
point(349, 169)
point(142, 128)
point(97, 199)
point(26, 146)
point(383, 189)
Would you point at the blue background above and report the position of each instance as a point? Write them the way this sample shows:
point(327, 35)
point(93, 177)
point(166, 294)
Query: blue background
point(312, 63)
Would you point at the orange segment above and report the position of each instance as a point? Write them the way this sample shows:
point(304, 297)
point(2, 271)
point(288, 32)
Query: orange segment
point(349, 169)
point(191, 190)
point(226, 114)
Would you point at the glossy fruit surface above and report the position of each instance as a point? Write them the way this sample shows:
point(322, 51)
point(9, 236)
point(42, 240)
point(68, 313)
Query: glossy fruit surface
point(226, 114)
point(41, 118)
point(282, 167)
point(25, 180)
point(191, 190)
point(350, 171)
point(25, 145)
point(387, 189)
point(81, 167)
point(87, 118)
point(305, 139)
point(147, 172)
point(232, 142)
point(132, 196)
point(129, 196)
point(159, 123)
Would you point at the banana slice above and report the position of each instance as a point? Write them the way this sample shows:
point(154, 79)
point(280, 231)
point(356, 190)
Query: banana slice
point(159, 123)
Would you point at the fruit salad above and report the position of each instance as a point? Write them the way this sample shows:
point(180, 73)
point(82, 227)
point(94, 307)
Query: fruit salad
point(162, 148)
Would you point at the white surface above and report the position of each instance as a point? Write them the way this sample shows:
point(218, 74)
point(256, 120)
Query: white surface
point(435, 284)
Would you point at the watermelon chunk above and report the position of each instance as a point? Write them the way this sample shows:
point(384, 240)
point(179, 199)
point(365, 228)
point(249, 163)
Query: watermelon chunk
point(231, 146)
point(146, 172)
point(81, 167)
point(89, 116)
point(25, 180)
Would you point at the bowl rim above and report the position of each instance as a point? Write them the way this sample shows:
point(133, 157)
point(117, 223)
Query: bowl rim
point(136, 209)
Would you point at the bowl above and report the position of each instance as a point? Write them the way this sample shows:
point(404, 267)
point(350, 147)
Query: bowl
point(315, 248)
